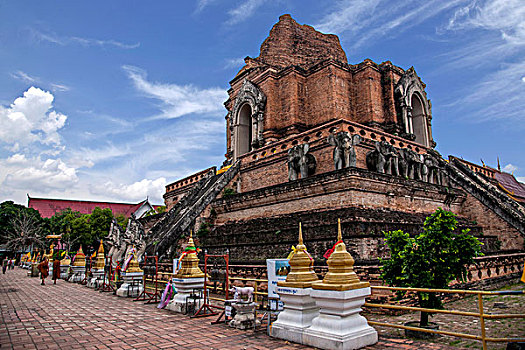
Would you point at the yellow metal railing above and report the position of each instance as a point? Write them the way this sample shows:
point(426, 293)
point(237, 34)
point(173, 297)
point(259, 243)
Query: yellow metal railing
point(480, 314)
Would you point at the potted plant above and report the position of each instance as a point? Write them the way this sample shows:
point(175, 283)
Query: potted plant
point(432, 259)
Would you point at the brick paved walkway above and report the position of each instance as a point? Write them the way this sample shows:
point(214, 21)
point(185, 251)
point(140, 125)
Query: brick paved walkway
point(72, 316)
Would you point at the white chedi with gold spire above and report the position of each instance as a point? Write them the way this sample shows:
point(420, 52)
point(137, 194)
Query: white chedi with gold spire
point(188, 278)
point(339, 298)
point(299, 307)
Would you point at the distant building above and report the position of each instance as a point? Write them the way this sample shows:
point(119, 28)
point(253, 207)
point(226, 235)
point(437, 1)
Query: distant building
point(47, 207)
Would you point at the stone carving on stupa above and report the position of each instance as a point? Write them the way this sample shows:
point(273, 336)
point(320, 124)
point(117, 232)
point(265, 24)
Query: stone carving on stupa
point(344, 149)
point(300, 162)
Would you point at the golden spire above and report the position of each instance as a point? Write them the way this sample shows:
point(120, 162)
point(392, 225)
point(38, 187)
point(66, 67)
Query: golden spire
point(101, 261)
point(133, 265)
point(189, 264)
point(80, 258)
point(341, 275)
point(301, 273)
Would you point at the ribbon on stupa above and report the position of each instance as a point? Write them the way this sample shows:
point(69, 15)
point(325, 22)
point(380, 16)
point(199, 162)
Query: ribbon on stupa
point(131, 254)
point(169, 291)
point(187, 250)
point(295, 250)
point(331, 250)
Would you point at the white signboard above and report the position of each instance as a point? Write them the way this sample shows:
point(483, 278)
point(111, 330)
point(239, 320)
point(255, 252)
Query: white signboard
point(277, 271)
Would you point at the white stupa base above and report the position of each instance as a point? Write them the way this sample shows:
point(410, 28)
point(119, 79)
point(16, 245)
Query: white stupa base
point(64, 271)
point(339, 325)
point(185, 288)
point(299, 311)
point(97, 279)
point(130, 288)
point(78, 274)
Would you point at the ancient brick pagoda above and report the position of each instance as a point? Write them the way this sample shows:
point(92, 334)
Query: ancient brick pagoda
point(311, 138)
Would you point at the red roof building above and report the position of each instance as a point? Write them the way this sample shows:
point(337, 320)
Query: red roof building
point(49, 207)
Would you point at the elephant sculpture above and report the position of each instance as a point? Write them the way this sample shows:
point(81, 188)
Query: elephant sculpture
point(414, 163)
point(433, 171)
point(300, 162)
point(344, 151)
point(383, 158)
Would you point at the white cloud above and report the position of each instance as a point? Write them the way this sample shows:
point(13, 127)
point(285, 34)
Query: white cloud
point(505, 16)
point(63, 41)
point(510, 168)
point(202, 4)
point(29, 119)
point(361, 21)
point(59, 87)
point(244, 11)
point(36, 175)
point(134, 192)
point(22, 76)
point(498, 96)
point(178, 100)
point(234, 63)
point(348, 16)
point(521, 179)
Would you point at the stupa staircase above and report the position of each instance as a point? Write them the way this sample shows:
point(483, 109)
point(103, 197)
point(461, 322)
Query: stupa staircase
point(165, 233)
point(488, 194)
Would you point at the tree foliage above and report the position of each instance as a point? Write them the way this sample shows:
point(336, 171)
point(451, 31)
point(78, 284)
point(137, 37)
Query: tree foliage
point(432, 259)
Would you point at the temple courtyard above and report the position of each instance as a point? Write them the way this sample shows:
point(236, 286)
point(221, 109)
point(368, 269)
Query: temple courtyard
point(72, 316)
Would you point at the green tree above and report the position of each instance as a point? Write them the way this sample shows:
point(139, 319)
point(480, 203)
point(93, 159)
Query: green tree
point(432, 259)
point(99, 223)
point(122, 221)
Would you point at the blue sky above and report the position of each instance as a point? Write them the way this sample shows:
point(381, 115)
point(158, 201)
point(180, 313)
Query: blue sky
point(112, 100)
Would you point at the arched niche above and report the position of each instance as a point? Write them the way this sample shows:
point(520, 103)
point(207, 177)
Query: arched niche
point(418, 120)
point(414, 109)
point(244, 133)
point(246, 119)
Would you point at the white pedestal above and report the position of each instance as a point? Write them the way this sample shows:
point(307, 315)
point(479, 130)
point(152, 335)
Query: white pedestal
point(245, 316)
point(97, 279)
point(184, 288)
point(299, 311)
point(339, 325)
point(78, 274)
point(63, 271)
point(127, 289)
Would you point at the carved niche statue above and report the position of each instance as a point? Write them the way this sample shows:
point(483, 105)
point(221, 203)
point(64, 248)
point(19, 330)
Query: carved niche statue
point(344, 151)
point(433, 172)
point(383, 159)
point(300, 162)
point(414, 163)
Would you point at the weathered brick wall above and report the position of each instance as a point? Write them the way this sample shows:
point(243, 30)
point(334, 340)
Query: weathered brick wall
point(307, 82)
point(254, 240)
point(292, 44)
point(492, 224)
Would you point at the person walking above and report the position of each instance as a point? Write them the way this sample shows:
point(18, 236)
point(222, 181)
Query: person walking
point(5, 262)
point(12, 264)
point(43, 267)
point(56, 269)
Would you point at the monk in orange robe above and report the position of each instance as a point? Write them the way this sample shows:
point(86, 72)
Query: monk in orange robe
point(43, 267)
point(56, 270)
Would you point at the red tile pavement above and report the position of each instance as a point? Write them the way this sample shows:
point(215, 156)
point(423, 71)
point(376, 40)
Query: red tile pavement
point(72, 316)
